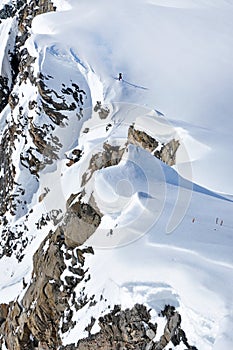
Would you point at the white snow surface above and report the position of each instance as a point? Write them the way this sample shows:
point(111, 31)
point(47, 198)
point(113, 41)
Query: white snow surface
point(167, 233)
point(181, 53)
point(7, 45)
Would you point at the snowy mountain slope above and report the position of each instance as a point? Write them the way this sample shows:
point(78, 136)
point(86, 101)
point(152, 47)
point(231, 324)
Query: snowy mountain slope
point(184, 59)
point(88, 174)
point(194, 261)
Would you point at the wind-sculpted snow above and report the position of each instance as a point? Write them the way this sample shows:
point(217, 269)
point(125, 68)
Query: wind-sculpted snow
point(116, 192)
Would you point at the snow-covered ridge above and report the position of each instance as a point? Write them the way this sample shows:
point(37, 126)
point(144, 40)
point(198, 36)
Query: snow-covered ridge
point(91, 216)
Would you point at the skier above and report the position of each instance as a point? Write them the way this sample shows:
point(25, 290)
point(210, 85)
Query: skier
point(120, 77)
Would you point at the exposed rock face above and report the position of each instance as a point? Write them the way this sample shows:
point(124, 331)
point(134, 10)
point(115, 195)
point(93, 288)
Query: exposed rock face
point(166, 153)
point(172, 331)
point(142, 139)
point(4, 92)
point(45, 306)
point(81, 221)
point(55, 109)
point(111, 155)
point(26, 14)
point(74, 157)
point(36, 317)
point(9, 10)
point(119, 330)
point(20, 62)
point(132, 329)
point(25, 67)
point(7, 178)
point(44, 148)
point(44, 312)
point(102, 111)
point(4, 309)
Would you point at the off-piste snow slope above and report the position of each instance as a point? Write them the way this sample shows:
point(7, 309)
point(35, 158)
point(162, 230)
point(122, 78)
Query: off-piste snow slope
point(165, 229)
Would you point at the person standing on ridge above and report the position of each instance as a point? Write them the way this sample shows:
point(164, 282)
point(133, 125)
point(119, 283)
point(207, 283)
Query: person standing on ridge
point(120, 77)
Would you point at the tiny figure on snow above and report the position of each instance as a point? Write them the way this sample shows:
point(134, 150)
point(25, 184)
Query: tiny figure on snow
point(120, 77)
point(110, 232)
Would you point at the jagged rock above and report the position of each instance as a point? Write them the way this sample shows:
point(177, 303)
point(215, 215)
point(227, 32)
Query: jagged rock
point(167, 153)
point(81, 221)
point(75, 156)
point(172, 331)
point(54, 109)
point(111, 155)
point(49, 150)
point(120, 330)
point(20, 62)
point(46, 95)
point(142, 139)
point(37, 317)
point(26, 14)
point(7, 168)
point(25, 67)
point(13, 100)
point(102, 111)
point(4, 309)
point(4, 92)
point(44, 305)
point(9, 10)
point(132, 329)
point(44, 194)
point(56, 116)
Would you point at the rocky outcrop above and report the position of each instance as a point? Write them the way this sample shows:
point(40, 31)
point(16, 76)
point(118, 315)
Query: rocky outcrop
point(120, 329)
point(110, 156)
point(9, 10)
point(168, 152)
point(4, 92)
point(24, 12)
point(4, 309)
point(7, 170)
point(74, 157)
point(142, 139)
point(21, 64)
point(164, 152)
point(103, 111)
point(44, 309)
point(172, 332)
point(46, 146)
point(81, 221)
point(55, 107)
point(133, 329)
point(27, 12)
point(25, 68)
